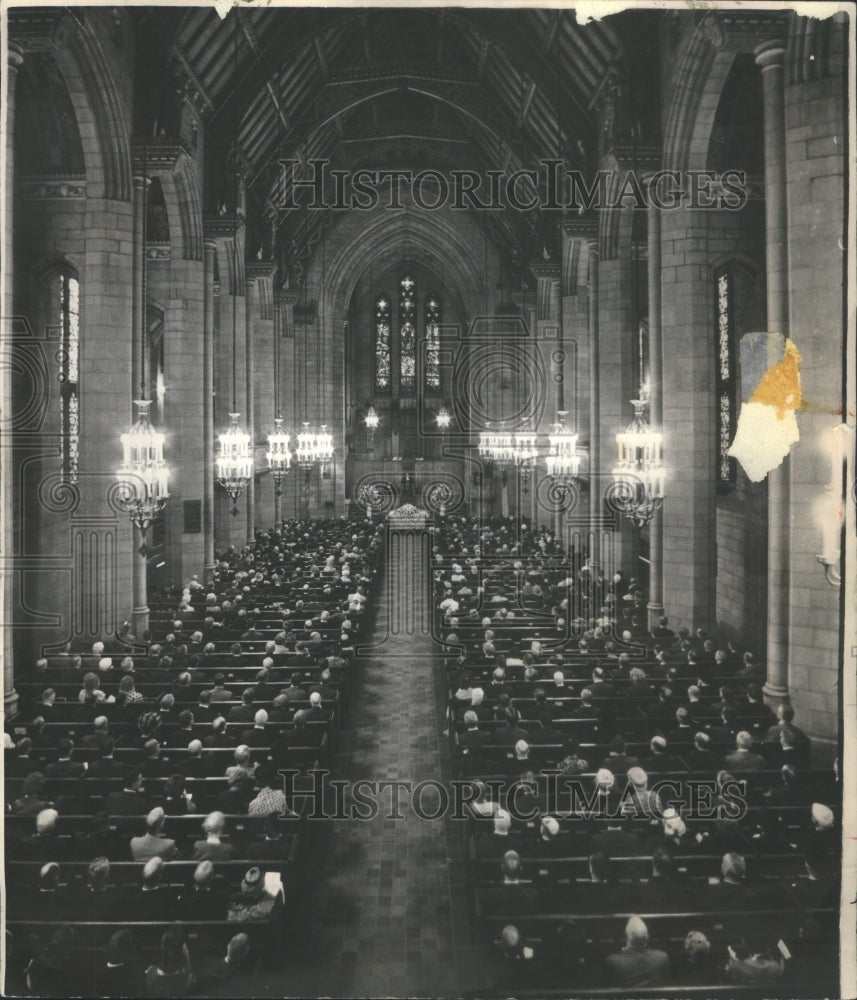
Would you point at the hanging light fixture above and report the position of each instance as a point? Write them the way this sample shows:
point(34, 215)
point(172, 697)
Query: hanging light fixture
point(562, 461)
point(638, 476)
point(143, 474)
point(372, 420)
point(525, 451)
point(235, 457)
point(278, 454)
point(443, 418)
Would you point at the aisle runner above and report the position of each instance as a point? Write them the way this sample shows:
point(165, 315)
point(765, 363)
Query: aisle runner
point(388, 879)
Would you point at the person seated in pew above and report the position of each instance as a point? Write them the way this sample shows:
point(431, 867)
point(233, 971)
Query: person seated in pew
point(120, 970)
point(279, 710)
point(218, 736)
point(753, 714)
point(799, 739)
point(99, 840)
point(743, 758)
point(270, 798)
point(180, 737)
point(501, 838)
point(637, 965)
point(274, 848)
point(105, 765)
point(587, 709)
point(698, 964)
point(20, 759)
point(153, 843)
point(700, 758)
point(259, 736)
point(254, 903)
point(44, 903)
point(131, 799)
point(510, 732)
point(215, 976)
point(617, 761)
point(515, 895)
point(64, 766)
point(234, 799)
point(731, 890)
point(202, 900)
point(545, 732)
point(244, 712)
point(196, 764)
point(571, 762)
point(99, 899)
point(616, 839)
point(33, 798)
point(177, 801)
point(664, 890)
point(53, 967)
point(171, 975)
point(660, 760)
point(155, 900)
point(680, 737)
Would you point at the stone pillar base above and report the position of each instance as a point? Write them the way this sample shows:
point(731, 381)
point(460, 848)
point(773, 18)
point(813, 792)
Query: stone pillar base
point(140, 621)
point(775, 693)
point(655, 612)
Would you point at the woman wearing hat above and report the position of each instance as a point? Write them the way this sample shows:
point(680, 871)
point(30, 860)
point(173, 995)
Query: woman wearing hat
point(254, 903)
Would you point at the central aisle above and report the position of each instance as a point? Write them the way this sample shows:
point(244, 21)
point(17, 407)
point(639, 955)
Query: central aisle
point(386, 901)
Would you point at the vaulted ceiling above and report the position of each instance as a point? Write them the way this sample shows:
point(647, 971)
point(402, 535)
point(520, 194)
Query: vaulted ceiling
point(387, 87)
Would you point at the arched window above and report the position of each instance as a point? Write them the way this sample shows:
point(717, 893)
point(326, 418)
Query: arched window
point(724, 292)
point(383, 363)
point(69, 322)
point(433, 320)
point(407, 336)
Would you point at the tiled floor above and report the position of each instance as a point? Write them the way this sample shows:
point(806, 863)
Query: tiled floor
point(387, 911)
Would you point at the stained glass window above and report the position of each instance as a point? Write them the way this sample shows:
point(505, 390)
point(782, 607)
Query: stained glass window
point(407, 335)
point(433, 319)
point(69, 311)
point(383, 364)
point(725, 378)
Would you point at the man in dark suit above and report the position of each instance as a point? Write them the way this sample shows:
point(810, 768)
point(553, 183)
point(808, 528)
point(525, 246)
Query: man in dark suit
point(701, 758)
point(155, 900)
point(196, 765)
point(131, 800)
point(202, 901)
point(660, 760)
point(515, 895)
point(106, 766)
point(215, 976)
point(44, 844)
point(244, 712)
point(732, 891)
point(743, 759)
point(785, 717)
point(637, 965)
point(64, 766)
point(120, 972)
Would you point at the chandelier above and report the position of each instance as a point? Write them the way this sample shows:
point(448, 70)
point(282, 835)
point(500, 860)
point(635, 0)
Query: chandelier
point(143, 473)
point(443, 418)
point(638, 477)
point(278, 454)
point(234, 461)
point(562, 460)
point(314, 448)
point(524, 455)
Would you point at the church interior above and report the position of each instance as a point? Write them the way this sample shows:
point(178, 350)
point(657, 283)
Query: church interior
point(441, 398)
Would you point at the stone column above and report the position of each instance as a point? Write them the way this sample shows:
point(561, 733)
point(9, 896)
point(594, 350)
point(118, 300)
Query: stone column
point(250, 305)
point(595, 484)
point(14, 58)
point(770, 56)
point(138, 250)
point(208, 409)
point(656, 525)
point(139, 578)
